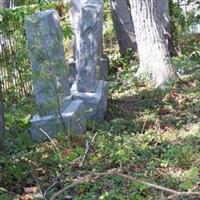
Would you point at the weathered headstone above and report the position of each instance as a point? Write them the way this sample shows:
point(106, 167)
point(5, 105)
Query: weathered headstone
point(88, 48)
point(74, 14)
point(50, 77)
point(88, 43)
point(48, 60)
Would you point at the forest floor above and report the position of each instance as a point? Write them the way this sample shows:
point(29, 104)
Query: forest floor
point(149, 135)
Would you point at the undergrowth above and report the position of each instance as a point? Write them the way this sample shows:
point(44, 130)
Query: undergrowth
point(149, 134)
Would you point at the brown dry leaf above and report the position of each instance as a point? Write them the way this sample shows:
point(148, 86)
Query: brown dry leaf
point(27, 197)
point(164, 111)
point(193, 83)
point(66, 152)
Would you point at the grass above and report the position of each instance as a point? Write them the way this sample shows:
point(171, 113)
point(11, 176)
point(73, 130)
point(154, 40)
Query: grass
point(152, 135)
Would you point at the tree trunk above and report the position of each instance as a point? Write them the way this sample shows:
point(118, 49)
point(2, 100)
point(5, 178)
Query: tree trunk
point(123, 25)
point(163, 9)
point(1, 117)
point(152, 48)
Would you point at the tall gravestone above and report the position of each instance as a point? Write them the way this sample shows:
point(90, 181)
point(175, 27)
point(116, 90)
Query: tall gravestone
point(88, 53)
point(57, 111)
point(74, 14)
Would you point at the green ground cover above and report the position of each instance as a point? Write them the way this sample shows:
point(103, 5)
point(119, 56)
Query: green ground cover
point(149, 134)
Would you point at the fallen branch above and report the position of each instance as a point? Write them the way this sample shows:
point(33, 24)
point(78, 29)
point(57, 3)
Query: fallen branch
point(158, 187)
point(82, 180)
point(55, 182)
point(96, 176)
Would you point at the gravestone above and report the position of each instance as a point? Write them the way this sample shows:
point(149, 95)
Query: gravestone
point(74, 14)
point(88, 44)
point(103, 62)
point(88, 53)
point(103, 70)
point(57, 111)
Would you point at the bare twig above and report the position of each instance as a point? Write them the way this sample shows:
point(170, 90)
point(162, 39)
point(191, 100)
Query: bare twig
point(88, 144)
point(38, 185)
point(53, 184)
point(82, 180)
point(95, 176)
point(144, 124)
point(158, 187)
point(46, 134)
point(2, 125)
point(87, 147)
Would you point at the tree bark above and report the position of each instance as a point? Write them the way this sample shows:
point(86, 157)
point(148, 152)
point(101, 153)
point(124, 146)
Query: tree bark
point(1, 117)
point(123, 24)
point(152, 48)
point(163, 10)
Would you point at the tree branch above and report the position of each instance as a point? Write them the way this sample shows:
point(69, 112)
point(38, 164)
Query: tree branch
point(95, 176)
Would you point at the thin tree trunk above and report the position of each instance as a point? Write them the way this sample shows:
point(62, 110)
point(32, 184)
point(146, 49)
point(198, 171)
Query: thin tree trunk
point(163, 10)
point(152, 48)
point(1, 117)
point(123, 24)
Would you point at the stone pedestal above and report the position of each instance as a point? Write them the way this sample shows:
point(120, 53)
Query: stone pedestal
point(73, 117)
point(50, 77)
point(95, 102)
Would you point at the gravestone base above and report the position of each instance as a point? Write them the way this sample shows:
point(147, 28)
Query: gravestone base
point(73, 117)
point(95, 103)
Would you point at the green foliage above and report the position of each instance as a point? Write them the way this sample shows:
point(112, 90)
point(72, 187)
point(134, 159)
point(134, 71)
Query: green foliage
point(67, 31)
point(138, 137)
point(123, 70)
point(190, 47)
point(180, 23)
point(14, 65)
point(108, 23)
point(151, 135)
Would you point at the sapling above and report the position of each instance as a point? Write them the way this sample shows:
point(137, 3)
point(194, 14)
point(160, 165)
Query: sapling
point(2, 125)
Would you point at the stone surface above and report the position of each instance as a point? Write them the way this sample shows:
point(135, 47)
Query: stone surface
point(74, 13)
point(73, 116)
point(57, 111)
point(88, 43)
point(47, 57)
point(103, 70)
point(95, 103)
point(92, 69)
point(72, 72)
